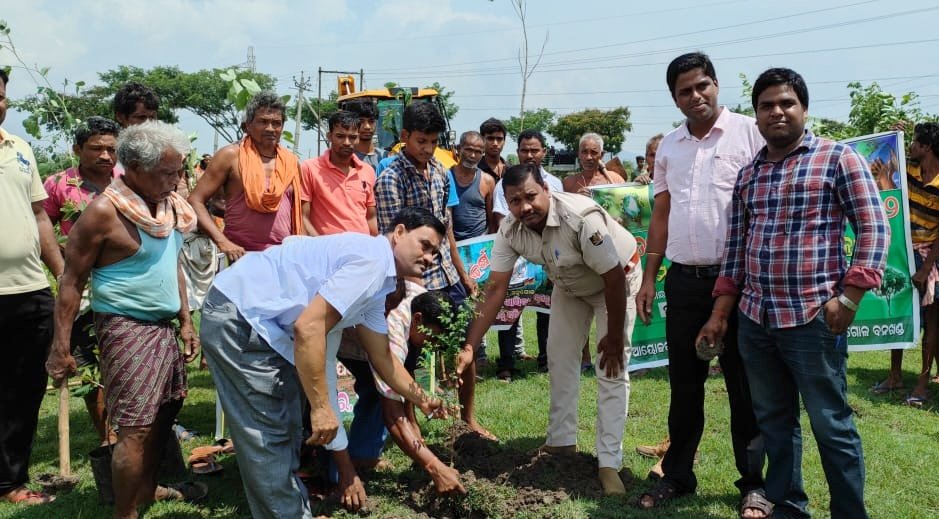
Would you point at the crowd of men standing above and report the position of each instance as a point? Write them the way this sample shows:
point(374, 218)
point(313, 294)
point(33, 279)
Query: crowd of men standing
point(351, 257)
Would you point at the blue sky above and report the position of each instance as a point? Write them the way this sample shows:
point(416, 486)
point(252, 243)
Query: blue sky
point(599, 53)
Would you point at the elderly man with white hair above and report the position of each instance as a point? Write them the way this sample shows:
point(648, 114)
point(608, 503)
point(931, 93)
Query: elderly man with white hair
point(129, 240)
point(592, 173)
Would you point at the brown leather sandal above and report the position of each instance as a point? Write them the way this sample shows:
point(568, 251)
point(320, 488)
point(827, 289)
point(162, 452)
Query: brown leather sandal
point(756, 500)
point(661, 492)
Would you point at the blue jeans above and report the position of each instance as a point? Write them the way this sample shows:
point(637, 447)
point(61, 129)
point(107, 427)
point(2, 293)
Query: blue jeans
point(367, 432)
point(781, 365)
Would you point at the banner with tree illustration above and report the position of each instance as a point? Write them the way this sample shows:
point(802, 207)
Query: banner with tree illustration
point(888, 317)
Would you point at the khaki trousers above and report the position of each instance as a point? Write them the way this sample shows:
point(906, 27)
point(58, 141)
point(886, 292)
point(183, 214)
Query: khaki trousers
point(569, 329)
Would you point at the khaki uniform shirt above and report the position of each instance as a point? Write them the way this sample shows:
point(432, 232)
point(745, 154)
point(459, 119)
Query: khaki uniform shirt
point(580, 242)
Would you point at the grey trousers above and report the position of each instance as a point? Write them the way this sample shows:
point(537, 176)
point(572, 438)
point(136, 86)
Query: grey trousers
point(260, 394)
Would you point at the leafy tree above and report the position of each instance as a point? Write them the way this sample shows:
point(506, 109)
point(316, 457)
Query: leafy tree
point(315, 114)
point(50, 111)
point(873, 110)
point(54, 107)
point(612, 125)
point(204, 93)
point(540, 119)
point(219, 96)
point(240, 91)
point(746, 96)
point(49, 160)
point(446, 99)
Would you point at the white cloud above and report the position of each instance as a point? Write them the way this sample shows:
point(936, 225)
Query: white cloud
point(43, 36)
point(433, 14)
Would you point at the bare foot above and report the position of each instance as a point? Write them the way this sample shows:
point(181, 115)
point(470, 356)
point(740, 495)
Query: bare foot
point(25, 496)
point(480, 430)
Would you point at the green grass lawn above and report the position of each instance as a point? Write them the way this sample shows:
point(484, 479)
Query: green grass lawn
point(901, 446)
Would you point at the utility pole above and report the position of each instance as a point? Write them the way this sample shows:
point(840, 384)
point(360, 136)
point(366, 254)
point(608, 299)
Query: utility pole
point(252, 62)
point(319, 96)
point(301, 85)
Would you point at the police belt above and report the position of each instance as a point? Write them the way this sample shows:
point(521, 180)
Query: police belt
point(698, 271)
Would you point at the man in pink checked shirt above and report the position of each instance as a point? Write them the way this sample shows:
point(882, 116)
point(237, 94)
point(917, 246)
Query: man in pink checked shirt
point(70, 191)
point(695, 168)
point(797, 294)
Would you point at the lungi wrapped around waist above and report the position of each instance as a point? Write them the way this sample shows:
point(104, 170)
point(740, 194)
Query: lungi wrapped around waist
point(142, 368)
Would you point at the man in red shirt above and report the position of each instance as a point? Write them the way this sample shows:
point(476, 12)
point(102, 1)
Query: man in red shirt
point(338, 189)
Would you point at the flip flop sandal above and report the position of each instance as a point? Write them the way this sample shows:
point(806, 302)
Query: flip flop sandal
point(881, 388)
point(205, 451)
point(756, 500)
point(202, 460)
point(205, 466)
point(227, 446)
point(661, 492)
point(189, 491)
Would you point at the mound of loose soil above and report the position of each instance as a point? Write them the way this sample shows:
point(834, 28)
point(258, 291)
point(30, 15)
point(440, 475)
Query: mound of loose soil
point(55, 484)
point(502, 482)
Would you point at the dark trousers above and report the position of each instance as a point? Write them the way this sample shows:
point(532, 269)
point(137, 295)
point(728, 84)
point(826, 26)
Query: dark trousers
point(689, 307)
point(367, 432)
point(508, 338)
point(26, 328)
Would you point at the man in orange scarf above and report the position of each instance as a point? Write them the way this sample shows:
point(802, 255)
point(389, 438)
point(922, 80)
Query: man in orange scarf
point(261, 182)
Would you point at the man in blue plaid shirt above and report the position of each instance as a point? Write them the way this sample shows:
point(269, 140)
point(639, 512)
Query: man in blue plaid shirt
point(417, 179)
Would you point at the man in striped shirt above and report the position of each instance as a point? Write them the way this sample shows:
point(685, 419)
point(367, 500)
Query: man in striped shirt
point(798, 295)
point(922, 179)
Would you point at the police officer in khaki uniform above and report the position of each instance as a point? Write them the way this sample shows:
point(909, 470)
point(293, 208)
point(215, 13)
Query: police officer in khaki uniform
point(592, 261)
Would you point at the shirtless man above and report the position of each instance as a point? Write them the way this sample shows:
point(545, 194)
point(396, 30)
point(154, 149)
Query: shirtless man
point(128, 242)
point(260, 209)
point(592, 173)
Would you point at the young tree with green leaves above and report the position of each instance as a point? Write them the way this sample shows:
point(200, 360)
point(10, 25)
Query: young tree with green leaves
point(612, 125)
point(540, 119)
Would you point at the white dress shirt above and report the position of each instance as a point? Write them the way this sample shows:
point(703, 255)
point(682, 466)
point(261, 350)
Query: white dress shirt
point(699, 175)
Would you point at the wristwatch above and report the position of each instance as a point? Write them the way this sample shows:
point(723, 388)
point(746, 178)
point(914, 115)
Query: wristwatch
point(847, 302)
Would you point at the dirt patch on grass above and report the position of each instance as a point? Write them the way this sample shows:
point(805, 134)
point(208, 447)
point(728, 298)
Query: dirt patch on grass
point(503, 482)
